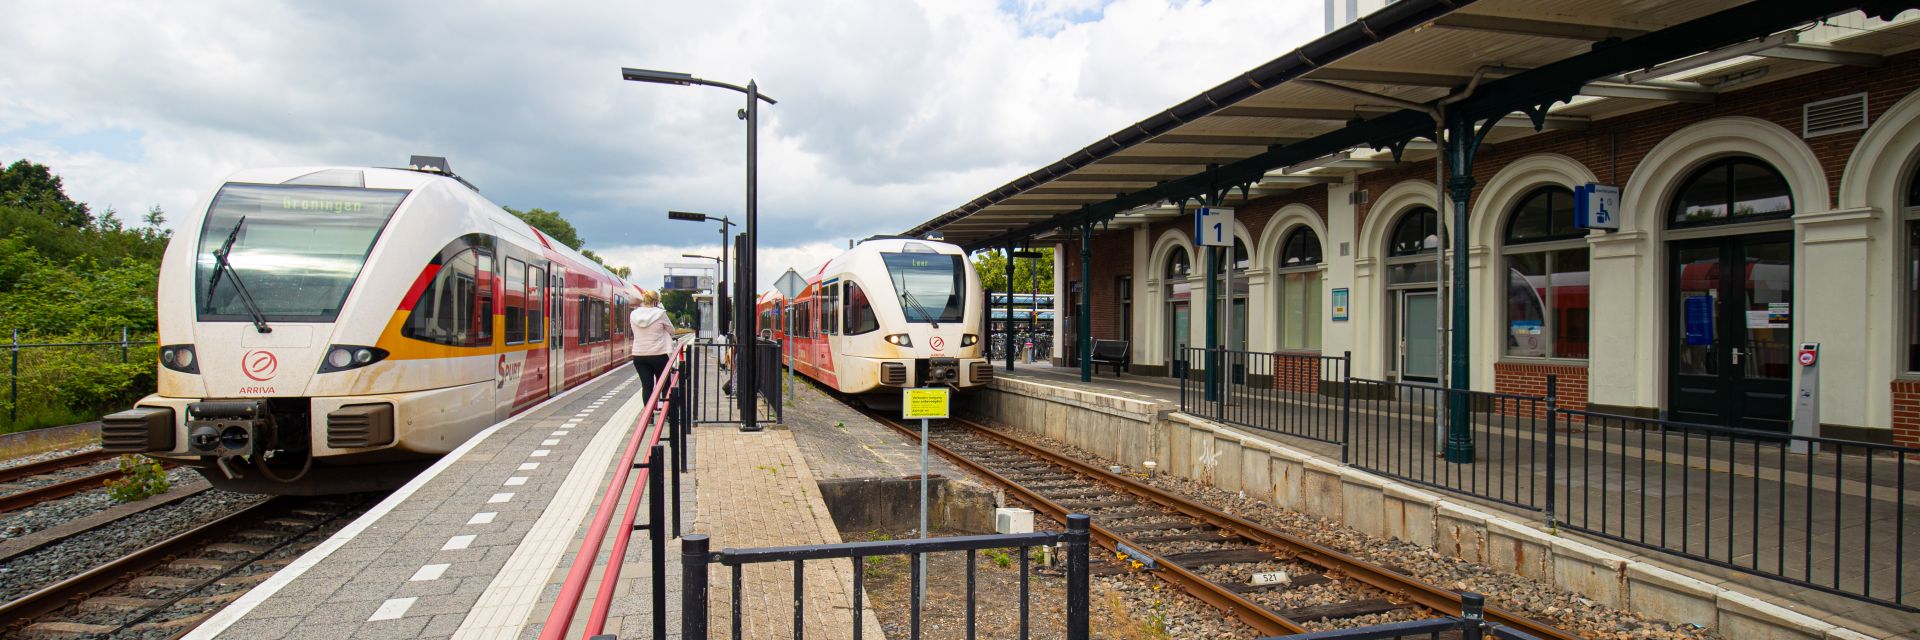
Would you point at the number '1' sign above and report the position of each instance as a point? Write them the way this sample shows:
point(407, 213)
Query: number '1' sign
point(1213, 226)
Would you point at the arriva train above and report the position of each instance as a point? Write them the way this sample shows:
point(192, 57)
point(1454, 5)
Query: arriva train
point(335, 329)
point(889, 313)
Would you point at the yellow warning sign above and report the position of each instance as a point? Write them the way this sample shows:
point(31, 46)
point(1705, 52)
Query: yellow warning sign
point(924, 403)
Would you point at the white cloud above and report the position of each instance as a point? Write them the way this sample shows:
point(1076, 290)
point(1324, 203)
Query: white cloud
point(891, 111)
point(649, 261)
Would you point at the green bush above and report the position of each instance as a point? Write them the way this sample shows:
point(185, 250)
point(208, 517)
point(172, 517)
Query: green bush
point(64, 385)
point(140, 478)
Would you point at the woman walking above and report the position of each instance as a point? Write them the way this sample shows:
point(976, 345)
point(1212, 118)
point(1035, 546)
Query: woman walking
point(652, 340)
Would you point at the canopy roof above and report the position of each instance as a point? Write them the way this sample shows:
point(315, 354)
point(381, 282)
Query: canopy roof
point(1356, 99)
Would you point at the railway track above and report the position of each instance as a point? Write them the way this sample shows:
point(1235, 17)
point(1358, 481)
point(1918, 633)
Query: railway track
point(1275, 582)
point(65, 481)
point(166, 589)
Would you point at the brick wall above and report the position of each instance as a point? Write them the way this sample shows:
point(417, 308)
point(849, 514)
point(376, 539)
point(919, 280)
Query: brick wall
point(1112, 258)
point(1297, 373)
point(1906, 413)
point(1530, 379)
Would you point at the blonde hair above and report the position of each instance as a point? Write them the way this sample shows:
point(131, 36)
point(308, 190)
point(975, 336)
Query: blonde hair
point(649, 298)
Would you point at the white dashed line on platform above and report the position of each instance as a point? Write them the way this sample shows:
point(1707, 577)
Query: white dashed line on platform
point(560, 433)
point(484, 517)
point(540, 453)
point(516, 481)
point(392, 609)
point(529, 466)
point(457, 543)
point(429, 572)
point(549, 442)
point(499, 498)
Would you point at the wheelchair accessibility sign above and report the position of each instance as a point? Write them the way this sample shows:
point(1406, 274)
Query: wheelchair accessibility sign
point(1596, 206)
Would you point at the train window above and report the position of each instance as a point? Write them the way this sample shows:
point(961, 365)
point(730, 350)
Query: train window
point(449, 309)
point(515, 301)
point(860, 317)
point(536, 304)
point(298, 249)
point(619, 313)
point(932, 287)
point(584, 312)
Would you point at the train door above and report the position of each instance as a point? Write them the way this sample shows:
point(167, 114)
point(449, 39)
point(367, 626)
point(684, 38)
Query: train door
point(537, 358)
point(557, 329)
point(829, 323)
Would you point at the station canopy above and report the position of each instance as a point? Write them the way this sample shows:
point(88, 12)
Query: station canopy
point(1362, 97)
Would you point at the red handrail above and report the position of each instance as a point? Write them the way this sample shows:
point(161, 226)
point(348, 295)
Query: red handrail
point(561, 617)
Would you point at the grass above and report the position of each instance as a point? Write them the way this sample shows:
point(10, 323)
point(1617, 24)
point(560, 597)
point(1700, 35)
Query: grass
point(44, 441)
point(32, 418)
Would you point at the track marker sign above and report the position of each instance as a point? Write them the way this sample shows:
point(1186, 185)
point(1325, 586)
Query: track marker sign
point(924, 403)
point(1213, 226)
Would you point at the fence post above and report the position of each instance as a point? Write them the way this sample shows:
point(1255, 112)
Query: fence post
point(123, 345)
point(1472, 615)
point(1553, 428)
point(1077, 596)
point(1346, 403)
point(657, 537)
point(13, 381)
point(693, 587)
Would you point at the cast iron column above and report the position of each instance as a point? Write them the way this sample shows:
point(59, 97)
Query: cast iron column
point(746, 378)
point(1085, 325)
point(1006, 328)
point(1461, 141)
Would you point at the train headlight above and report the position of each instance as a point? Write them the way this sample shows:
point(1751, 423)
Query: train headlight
point(179, 357)
point(900, 340)
point(342, 357)
point(968, 340)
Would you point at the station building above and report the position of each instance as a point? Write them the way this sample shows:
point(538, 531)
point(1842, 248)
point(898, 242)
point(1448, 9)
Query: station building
point(1769, 195)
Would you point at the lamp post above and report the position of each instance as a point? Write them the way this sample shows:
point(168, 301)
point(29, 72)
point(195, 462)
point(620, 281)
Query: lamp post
point(720, 291)
point(742, 311)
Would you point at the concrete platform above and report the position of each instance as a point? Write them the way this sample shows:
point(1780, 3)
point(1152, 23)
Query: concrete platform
point(478, 545)
point(868, 473)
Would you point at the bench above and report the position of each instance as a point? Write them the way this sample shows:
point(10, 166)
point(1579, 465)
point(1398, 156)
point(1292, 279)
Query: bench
point(1112, 353)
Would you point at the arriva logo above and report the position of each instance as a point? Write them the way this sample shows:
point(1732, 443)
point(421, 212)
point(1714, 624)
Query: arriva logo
point(259, 365)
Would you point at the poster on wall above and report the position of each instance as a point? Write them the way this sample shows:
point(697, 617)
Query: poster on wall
point(1699, 320)
point(1339, 305)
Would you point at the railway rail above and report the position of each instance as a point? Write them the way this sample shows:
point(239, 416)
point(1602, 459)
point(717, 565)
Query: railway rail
point(168, 588)
point(59, 488)
point(1209, 554)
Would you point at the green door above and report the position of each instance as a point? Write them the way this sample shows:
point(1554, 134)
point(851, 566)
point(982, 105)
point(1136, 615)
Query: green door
point(1420, 344)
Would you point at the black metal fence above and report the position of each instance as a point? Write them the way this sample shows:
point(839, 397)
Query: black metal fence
point(1821, 513)
point(1294, 394)
point(1471, 624)
point(1399, 429)
point(696, 559)
point(712, 381)
point(50, 371)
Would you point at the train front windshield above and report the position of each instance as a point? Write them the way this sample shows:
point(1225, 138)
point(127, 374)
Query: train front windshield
point(295, 250)
point(931, 286)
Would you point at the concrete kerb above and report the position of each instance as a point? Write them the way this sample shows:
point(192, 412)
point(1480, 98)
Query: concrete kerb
point(1200, 449)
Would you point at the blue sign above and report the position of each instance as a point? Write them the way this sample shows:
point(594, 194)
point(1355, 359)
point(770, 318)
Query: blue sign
point(1699, 320)
point(1596, 206)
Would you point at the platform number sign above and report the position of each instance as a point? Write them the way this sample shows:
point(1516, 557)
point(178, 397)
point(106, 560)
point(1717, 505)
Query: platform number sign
point(1596, 206)
point(1213, 226)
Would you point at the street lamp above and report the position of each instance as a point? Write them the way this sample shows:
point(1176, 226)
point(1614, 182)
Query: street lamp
point(742, 311)
point(720, 294)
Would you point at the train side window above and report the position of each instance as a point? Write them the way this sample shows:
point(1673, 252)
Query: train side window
point(515, 301)
point(536, 304)
point(619, 313)
point(449, 309)
point(830, 313)
point(483, 313)
point(860, 317)
point(586, 314)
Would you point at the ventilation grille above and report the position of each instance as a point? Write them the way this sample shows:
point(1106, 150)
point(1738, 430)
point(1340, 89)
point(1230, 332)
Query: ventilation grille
point(982, 373)
point(893, 374)
point(361, 425)
point(137, 430)
point(1845, 113)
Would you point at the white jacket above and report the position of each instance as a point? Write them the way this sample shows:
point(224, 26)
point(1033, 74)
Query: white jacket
point(652, 331)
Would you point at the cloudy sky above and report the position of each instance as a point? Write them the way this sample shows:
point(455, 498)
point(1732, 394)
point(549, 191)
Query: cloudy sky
point(891, 111)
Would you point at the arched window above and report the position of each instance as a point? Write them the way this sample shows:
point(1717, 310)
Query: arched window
point(1177, 264)
point(1737, 189)
point(1297, 280)
point(1913, 271)
point(1237, 313)
point(1546, 259)
point(1410, 248)
point(1179, 311)
point(1415, 233)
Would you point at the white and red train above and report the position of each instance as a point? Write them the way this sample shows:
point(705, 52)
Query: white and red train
point(889, 313)
point(332, 329)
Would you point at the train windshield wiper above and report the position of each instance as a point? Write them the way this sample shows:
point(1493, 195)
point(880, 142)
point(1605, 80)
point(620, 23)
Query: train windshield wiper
point(222, 266)
point(908, 296)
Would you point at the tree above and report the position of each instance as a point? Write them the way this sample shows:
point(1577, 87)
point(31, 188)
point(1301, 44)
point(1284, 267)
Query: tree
point(155, 217)
point(992, 267)
point(679, 306)
point(552, 224)
point(33, 186)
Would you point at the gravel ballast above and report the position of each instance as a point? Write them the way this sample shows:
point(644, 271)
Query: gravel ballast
point(31, 571)
point(55, 512)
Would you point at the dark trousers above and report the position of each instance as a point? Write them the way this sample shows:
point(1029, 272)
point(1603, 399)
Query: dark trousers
point(650, 368)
